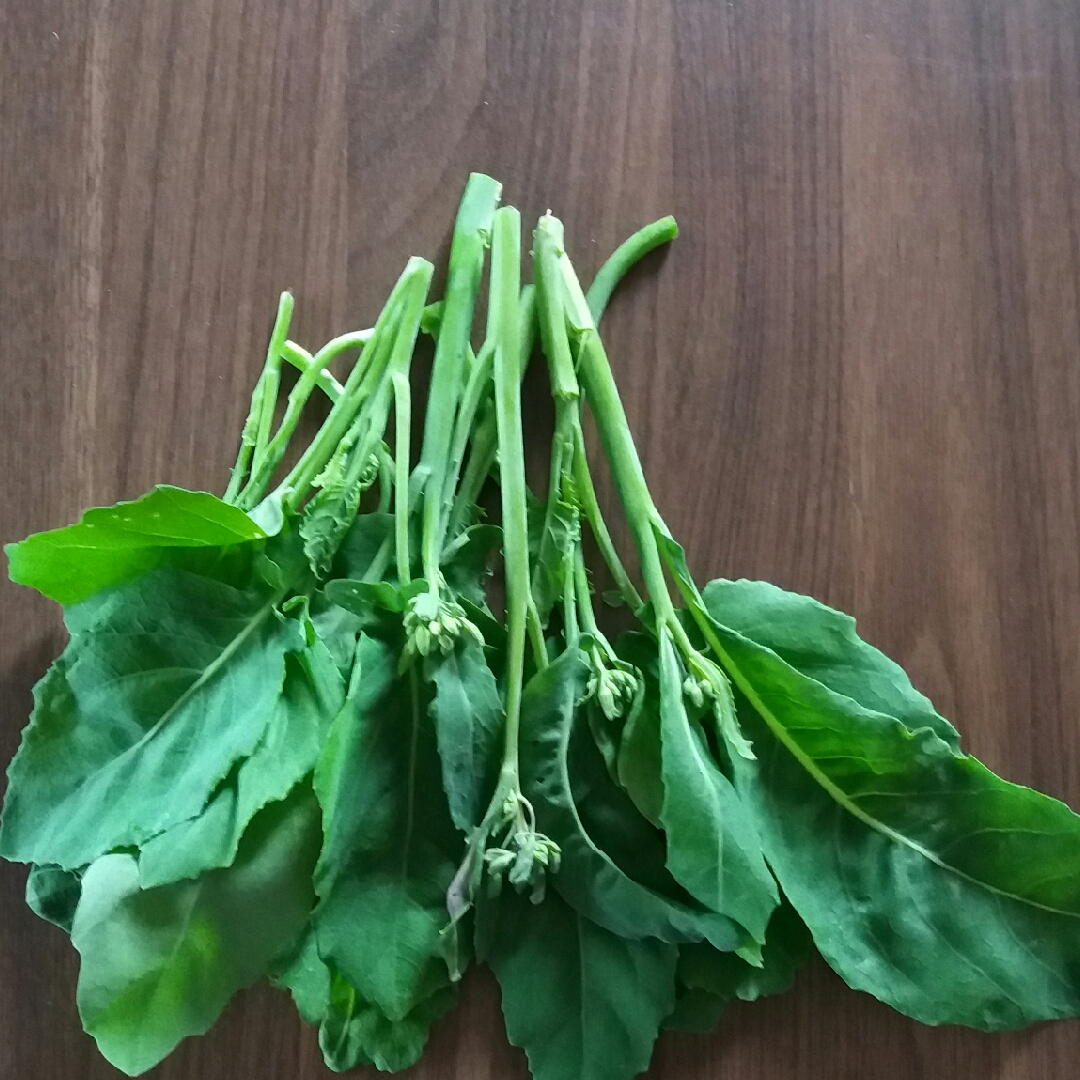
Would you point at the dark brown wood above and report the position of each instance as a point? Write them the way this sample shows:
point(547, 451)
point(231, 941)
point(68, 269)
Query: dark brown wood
point(856, 373)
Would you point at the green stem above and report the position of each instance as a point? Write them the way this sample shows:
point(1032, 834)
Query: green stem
point(255, 422)
point(484, 442)
point(476, 389)
point(586, 493)
point(571, 630)
point(594, 370)
point(273, 376)
point(584, 593)
point(551, 312)
point(482, 454)
point(504, 327)
point(471, 230)
point(358, 386)
point(386, 480)
point(623, 258)
point(267, 463)
point(396, 385)
point(301, 359)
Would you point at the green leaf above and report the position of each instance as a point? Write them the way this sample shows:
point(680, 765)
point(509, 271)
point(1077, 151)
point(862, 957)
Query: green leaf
point(160, 964)
point(359, 596)
point(355, 1032)
point(361, 544)
point(555, 539)
point(307, 978)
point(822, 643)
point(52, 894)
point(311, 696)
point(582, 1002)
point(337, 629)
point(468, 716)
point(589, 878)
point(696, 1012)
point(727, 976)
point(713, 850)
point(114, 544)
point(390, 848)
point(166, 684)
point(464, 564)
point(925, 879)
point(638, 762)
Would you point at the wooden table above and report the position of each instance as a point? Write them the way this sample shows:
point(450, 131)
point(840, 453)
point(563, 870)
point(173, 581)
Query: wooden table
point(856, 374)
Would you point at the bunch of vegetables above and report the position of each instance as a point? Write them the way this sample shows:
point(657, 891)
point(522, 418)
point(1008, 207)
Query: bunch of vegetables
point(290, 737)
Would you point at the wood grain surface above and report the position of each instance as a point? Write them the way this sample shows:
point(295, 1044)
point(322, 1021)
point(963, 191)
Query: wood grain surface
point(856, 374)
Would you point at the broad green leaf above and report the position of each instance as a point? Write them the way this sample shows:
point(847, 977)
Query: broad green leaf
point(638, 762)
point(696, 1012)
point(337, 629)
point(468, 716)
point(582, 1002)
point(307, 978)
point(166, 684)
point(355, 1032)
point(787, 948)
point(358, 596)
point(160, 964)
point(464, 564)
point(339, 1028)
point(590, 880)
point(925, 879)
point(390, 848)
point(352, 1031)
point(311, 697)
point(822, 643)
point(114, 544)
point(713, 850)
point(361, 544)
point(555, 538)
point(52, 894)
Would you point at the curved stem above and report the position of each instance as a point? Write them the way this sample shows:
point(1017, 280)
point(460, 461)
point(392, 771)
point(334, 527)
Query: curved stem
point(623, 258)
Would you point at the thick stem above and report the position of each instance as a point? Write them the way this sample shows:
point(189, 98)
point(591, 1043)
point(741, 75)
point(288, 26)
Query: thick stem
point(471, 231)
point(551, 310)
point(504, 321)
point(402, 420)
point(584, 593)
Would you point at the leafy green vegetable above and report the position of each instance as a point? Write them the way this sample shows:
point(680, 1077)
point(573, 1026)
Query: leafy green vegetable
point(727, 976)
point(468, 718)
point(925, 879)
point(167, 682)
point(52, 894)
point(712, 847)
point(338, 729)
point(589, 879)
point(584, 1003)
point(111, 545)
point(160, 964)
point(390, 847)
